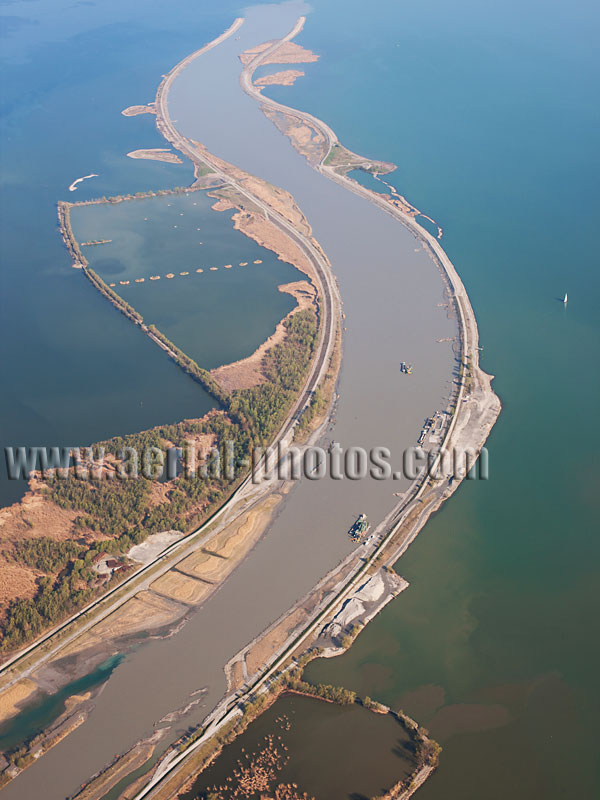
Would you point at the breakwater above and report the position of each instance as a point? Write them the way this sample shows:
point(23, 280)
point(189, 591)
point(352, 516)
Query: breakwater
point(200, 375)
point(368, 225)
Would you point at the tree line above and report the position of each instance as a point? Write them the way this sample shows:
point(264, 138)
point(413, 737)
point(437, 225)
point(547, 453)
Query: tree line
point(125, 511)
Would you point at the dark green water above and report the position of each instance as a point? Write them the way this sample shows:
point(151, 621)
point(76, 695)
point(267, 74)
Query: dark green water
point(34, 719)
point(215, 316)
point(329, 748)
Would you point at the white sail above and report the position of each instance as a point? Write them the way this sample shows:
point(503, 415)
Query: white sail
point(565, 300)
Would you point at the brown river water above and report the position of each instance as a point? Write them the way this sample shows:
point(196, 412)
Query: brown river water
point(392, 294)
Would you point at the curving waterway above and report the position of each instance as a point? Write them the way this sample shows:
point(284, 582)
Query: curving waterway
point(393, 300)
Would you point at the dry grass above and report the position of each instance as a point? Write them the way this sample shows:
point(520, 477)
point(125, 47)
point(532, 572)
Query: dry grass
point(16, 581)
point(286, 77)
point(156, 154)
point(12, 698)
point(266, 234)
point(181, 587)
point(288, 53)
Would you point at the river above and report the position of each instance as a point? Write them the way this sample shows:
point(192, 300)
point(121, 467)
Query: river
point(488, 111)
point(393, 301)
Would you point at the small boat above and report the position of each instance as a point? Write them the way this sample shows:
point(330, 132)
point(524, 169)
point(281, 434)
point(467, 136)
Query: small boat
point(565, 299)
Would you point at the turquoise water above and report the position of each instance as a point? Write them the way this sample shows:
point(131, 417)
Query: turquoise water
point(35, 718)
point(216, 317)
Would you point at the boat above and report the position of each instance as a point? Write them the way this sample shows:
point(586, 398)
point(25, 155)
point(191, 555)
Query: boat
point(425, 429)
point(359, 528)
point(565, 299)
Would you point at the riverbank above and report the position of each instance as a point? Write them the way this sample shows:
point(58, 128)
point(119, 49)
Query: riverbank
point(250, 371)
point(16, 759)
point(420, 756)
point(321, 366)
point(185, 145)
point(467, 428)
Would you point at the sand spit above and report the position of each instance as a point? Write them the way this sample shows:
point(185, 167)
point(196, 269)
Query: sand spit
point(222, 204)
point(73, 186)
point(286, 77)
point(214, 562)
point(77, 710)
point(248, 371)
point(133, 111)
point(122, 766)
point(145, 612)
point(156, 154)
point(176, 586)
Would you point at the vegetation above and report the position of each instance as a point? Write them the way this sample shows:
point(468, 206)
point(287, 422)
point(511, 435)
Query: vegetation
point(333, 154)
point(348, 638)
point(200, 170)
point(46, 554)
point(333, 694)
point(315, 407)
point(189, 365)
point(264, 407)
point(56, 599)
point(127, 510)
point(118, 301)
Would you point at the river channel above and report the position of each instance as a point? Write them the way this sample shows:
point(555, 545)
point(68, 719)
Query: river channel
point(393, 299)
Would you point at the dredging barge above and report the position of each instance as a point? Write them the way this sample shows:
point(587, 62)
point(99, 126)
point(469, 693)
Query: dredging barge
point(359, 528)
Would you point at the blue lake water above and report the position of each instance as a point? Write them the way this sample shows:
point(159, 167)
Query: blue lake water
point(489, 113)
point(216, 316)
point(75, 370)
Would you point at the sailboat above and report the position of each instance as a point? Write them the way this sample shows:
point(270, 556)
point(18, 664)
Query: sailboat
point(565, 299)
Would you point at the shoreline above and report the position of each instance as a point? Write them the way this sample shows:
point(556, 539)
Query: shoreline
point(468, 338)
point(484, 407)
point(317, 371)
